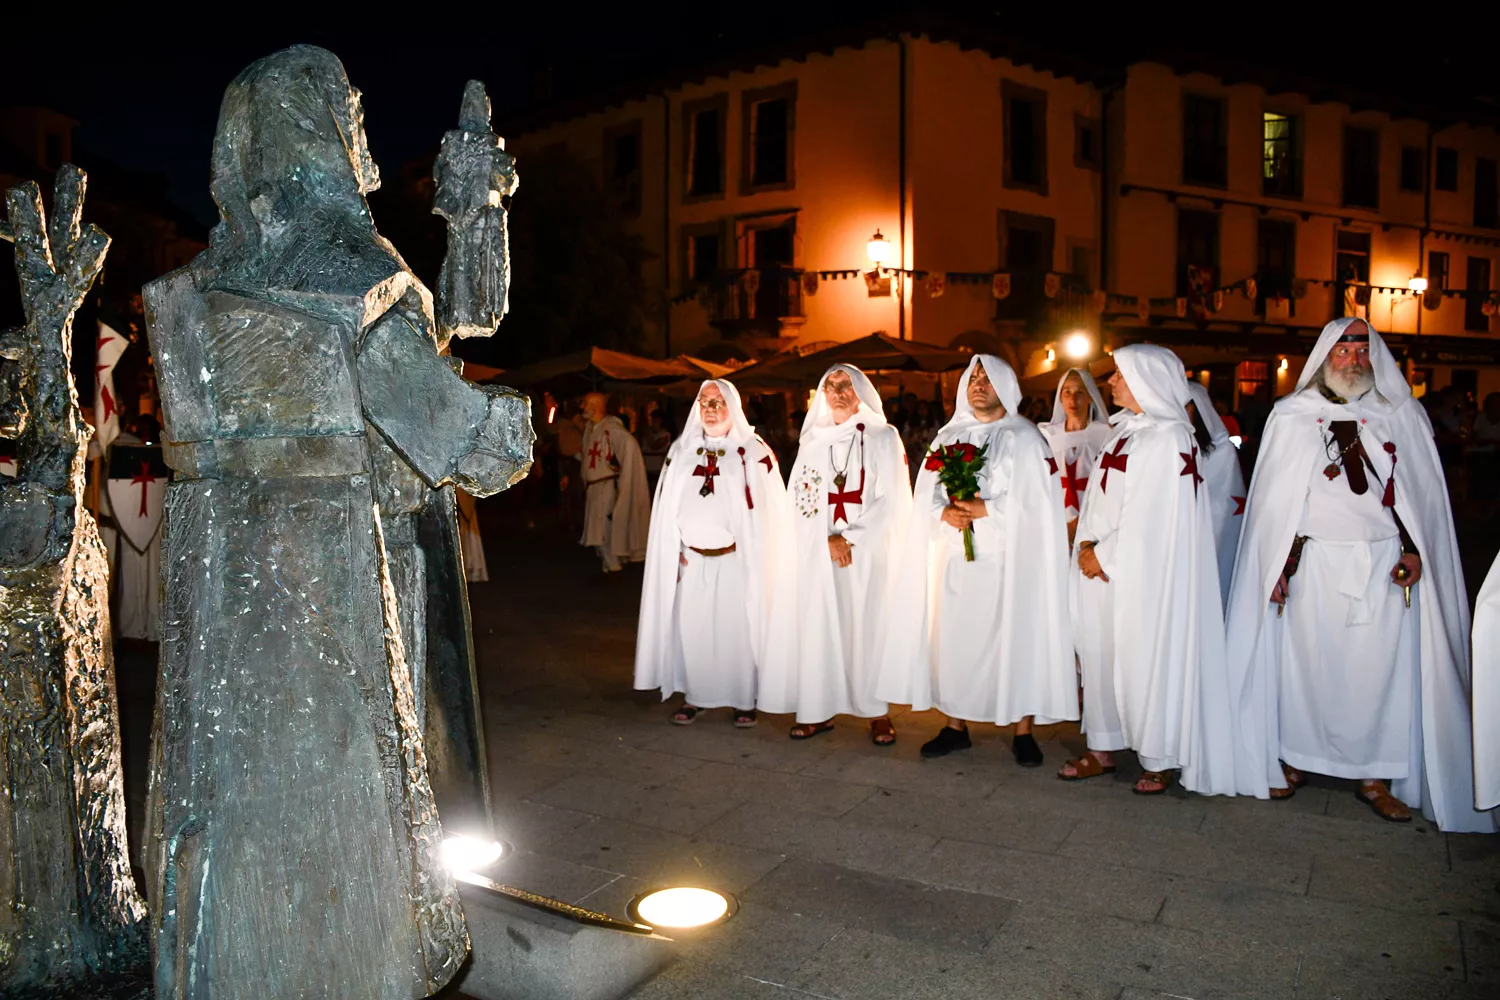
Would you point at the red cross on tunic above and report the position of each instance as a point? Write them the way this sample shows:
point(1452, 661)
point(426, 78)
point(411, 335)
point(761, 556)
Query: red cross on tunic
point(708, 471)
point(1073, 484)
point(1112, 460)
point(143, 479)
point(1051, 466)
point(1239, 506)
point(847, 496)
point(594, 453)
point(1190, 467)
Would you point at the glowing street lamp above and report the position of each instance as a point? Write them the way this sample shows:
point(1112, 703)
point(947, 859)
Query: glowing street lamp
point(879, 249)
point(1417, 283)
point(468, 854)
point(1078, 346)
point(682, 908)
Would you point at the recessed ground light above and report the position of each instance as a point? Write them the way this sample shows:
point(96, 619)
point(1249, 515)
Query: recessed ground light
point(467, 854)
point(682, 908)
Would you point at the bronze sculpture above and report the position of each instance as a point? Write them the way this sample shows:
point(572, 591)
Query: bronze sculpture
point(292, 839)
point(70, 915)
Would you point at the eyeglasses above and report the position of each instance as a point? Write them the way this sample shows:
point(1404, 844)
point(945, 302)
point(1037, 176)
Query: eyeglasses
point(713, 404)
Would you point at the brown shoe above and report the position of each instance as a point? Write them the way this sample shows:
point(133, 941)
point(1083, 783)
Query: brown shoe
point(1087, 766)
point(1386, 805)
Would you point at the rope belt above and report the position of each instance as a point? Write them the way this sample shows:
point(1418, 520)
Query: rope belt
point(710, 553)
point(601, 479)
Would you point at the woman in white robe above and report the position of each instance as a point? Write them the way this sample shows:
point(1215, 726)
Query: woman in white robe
point(988, 640)
point(851, 497)
point(1219, 464)
point(1150, 633)
point(717, 597)
point(1487, 692)
point(1076, 433)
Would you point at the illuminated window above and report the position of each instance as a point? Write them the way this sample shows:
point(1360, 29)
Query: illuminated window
point(1282, 168)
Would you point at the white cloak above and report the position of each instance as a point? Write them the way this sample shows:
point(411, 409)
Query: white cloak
point(842, 611)
point(617, 503)
point(1225, 482)
point(988, 640)
point(708, 629)
point(1076, 452)
point(1151, 639)
point(1487, 692)
point(1440, 775)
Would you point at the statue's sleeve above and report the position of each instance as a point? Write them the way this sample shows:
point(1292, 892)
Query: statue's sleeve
point(447, 429)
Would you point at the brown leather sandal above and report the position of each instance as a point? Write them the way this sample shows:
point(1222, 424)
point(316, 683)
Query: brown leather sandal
point(807, 730)
point(684, 716)
point(1163, 779)
point(1087, 766)
point(882, 732)
point(1294, 781)
point(1386, 806)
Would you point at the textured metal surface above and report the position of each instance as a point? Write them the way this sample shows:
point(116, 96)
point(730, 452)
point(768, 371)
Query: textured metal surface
point(293, 837)
point(70, 916)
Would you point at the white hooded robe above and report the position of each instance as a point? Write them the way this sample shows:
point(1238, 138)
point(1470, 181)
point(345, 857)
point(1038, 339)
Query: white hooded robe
point(710, 625)
point(842, 610)
point(1225, 482)
point(1487, 692)
point(988, 640)
point(617, 502)
point(1349, 677)
point(1076, 452)
point(1151, 639)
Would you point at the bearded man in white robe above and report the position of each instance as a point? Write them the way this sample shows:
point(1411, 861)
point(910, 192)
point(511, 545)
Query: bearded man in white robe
point(1331, 671)
point(851, 496)
point(717, 601)
point(617, 504)
point(985, 640)
point(1147, 617)
point(1076, 433)
point(1487, 692)
point(1219, 463)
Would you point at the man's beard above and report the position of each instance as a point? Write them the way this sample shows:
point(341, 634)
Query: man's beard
point(1349, 385)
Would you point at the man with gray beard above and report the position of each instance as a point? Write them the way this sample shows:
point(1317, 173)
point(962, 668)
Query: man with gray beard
point(1348, 621)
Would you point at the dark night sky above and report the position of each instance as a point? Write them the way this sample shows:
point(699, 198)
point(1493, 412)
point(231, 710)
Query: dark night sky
point(147, 97)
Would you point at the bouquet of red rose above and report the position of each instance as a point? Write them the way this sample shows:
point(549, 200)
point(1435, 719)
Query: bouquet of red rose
point(958, 466)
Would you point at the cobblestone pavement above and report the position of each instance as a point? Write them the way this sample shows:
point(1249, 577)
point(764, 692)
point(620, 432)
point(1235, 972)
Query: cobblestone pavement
point(867, 872)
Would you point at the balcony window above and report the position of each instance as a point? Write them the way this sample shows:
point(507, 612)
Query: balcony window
point(1197, 244)
point(1351, 268)
point(1025, 137)
point(705, 249)
point(1437, 270)
point(1361, 167)
point(769, 117)
point(1275, 260)
point(1445, 176)
point(1205, 150)
point(1412, 168)
point(1476, 290)
point(1282, 155)
point(1486, 200)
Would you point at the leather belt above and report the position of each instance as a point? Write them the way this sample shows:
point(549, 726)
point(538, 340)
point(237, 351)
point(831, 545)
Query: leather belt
point(601, 479)
point(710, 553)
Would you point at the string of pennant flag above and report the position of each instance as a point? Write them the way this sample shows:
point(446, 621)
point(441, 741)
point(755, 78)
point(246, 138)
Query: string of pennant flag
point(1204, 297)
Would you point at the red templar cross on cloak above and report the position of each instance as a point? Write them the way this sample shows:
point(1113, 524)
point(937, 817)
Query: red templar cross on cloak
point(143, 479)
point(1112, 460)
point(1190, 467)
point(1239, 506)
point(847, 496)
point(594, 453)
point(708, 471)
point(1073, 484)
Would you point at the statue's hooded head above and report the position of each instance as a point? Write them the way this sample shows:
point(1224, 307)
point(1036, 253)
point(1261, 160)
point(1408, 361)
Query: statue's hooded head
point(291, 136)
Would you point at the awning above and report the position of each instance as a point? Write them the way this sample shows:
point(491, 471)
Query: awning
point(873, 354)
point(604, 370)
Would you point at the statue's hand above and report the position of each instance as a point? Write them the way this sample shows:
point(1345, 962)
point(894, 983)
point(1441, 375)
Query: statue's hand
point(501, 455)
point(56, 262)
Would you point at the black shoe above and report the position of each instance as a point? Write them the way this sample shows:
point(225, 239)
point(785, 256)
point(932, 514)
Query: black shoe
point(946, 741)
point(1028, 754)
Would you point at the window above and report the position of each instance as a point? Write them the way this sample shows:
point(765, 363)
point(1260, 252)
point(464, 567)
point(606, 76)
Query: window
point(1445, 177)
point(1352, 269)
point(1275, 260)
point(703, 123)
point(1412, 168)
point(705, 255)
point(769, 120)
point(1197, 244)
point(1437, 270)
point(1086, 146)
point(622, 167)
point(1476, 290)
point(1361, 167)
point(1026, 242)
point(1205, 151)
point(1025, 137)
point(1081, 264)
point(1282, 154)
point(1486, 200)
